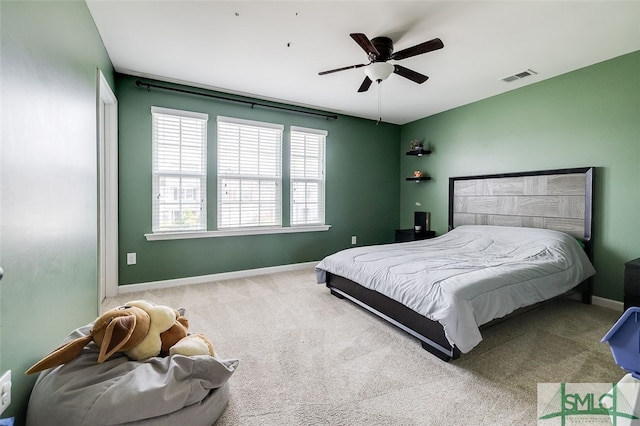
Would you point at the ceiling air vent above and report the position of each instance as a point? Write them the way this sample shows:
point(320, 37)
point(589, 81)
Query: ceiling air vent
point(518, 76)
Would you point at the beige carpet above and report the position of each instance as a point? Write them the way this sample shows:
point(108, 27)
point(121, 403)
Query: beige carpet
point(308, 358)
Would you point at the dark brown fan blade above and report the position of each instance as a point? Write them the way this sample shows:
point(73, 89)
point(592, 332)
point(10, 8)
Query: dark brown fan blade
point(365, 43)
point(343, 68)
point(418, 49)
point(365, 85)
point(410, 74)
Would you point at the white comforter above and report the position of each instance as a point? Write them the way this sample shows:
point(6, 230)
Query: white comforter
point(469, 276)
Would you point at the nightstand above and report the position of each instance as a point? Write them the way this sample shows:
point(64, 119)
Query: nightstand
point(631, 283)
point(405, 235)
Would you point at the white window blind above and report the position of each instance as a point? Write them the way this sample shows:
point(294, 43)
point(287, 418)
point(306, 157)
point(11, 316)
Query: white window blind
point(307, 176)
point(249, 173)
point(179, 170)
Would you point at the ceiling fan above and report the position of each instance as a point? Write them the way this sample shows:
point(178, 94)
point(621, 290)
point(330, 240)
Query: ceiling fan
point(380, 50)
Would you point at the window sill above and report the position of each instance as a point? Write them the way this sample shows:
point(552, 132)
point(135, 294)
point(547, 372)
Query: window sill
point(233, 233)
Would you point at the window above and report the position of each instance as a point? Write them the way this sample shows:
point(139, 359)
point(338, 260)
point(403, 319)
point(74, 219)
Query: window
point(249, 177)
point(249, 174)
point(179, 170)
point(307, 176)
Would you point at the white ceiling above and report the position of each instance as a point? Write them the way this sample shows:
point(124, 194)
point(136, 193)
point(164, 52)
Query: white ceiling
point(274, 50)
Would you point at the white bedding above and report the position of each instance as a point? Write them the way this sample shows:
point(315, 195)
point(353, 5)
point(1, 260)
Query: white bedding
point(469, 276)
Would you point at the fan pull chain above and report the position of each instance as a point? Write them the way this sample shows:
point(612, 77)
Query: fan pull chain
point(379, 103)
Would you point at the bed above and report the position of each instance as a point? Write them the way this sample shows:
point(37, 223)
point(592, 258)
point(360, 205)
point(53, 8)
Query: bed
point(515, 240)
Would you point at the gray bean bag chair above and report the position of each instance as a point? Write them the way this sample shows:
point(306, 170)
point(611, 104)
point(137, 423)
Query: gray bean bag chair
point(174, 390)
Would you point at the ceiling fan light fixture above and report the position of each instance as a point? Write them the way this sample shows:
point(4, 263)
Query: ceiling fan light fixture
point(378, 71)
point(379, 50)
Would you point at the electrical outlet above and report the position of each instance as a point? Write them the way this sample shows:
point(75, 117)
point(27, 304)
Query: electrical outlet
point(5, 391)
point(354, 239)
point(131, 258)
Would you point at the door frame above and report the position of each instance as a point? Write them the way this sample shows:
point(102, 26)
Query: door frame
point(107, 190)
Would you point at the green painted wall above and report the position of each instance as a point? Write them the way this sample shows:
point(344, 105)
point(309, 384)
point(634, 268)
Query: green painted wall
point(590, 117)
point(50, 51)
point(48, 178)
point(362, 190)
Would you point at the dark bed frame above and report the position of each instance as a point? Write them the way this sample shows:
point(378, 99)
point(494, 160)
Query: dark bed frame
point(559, 199)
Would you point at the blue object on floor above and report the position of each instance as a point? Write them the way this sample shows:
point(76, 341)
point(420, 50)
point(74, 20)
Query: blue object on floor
point(7, 421)
point(624, 341)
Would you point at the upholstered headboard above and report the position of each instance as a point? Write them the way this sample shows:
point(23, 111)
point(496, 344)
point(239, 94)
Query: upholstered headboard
point(553, 199)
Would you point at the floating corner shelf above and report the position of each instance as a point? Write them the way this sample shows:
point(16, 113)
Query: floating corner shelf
point(418, 179)
point(419, 152)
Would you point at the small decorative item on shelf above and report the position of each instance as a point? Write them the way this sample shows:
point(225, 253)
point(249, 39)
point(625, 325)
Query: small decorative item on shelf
point(418, 148)
point(418, 176)
point(416, 145)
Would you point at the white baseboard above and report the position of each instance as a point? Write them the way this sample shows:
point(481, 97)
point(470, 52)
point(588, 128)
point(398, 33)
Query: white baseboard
point(155, 285)
point(608, 303)
point(601, 301)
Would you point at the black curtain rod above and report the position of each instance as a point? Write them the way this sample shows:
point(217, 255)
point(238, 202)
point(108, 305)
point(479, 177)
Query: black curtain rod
point(241, 101)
